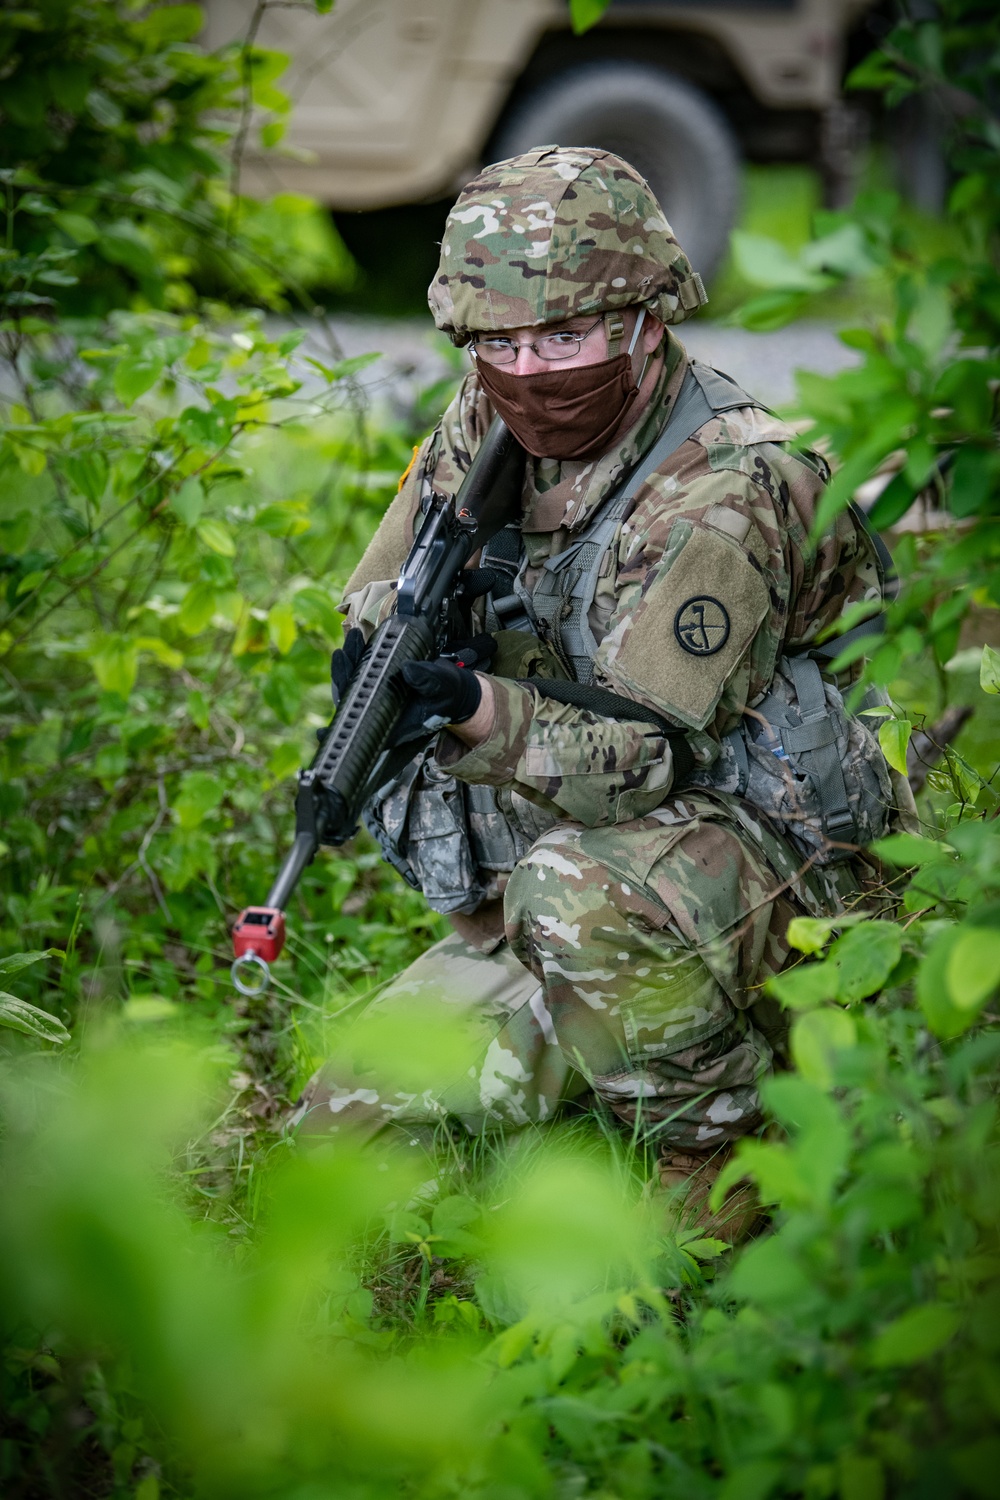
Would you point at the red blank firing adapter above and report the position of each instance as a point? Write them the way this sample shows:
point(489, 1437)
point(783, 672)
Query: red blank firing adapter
point(259, 930)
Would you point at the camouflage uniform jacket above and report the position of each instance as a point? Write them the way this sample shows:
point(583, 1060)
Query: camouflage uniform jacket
point(727, 516)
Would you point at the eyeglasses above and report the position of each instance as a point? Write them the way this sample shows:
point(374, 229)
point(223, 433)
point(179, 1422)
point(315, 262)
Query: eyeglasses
point(551, 346)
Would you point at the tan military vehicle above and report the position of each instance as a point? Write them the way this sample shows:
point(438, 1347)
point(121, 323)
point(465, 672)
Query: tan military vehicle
point(399, 101)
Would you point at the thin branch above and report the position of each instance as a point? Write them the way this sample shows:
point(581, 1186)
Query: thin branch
point(246, 114)
point(82, 582)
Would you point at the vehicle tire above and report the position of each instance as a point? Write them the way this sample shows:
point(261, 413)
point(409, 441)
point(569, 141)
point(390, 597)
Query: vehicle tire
point(668, 130)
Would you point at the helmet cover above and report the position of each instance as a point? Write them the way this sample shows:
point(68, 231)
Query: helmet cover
point(555, 233)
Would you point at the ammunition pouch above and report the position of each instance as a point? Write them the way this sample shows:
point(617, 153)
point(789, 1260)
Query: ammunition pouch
point(815, 771)
point(456, 843)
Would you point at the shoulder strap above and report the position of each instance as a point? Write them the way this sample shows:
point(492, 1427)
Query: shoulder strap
point(571, 577)
point(704, 393)
point(875, 624)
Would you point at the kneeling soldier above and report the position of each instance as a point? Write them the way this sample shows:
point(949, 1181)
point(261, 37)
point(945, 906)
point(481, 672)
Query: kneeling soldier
point(620, 893)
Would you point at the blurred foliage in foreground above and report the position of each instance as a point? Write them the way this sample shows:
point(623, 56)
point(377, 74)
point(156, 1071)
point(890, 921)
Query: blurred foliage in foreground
point(189, 1305)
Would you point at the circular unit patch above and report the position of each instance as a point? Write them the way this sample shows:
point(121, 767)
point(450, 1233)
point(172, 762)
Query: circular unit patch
point(701, 626)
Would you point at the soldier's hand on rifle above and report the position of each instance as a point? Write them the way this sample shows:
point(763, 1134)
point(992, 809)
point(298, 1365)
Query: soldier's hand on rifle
point(440, 692)
point(344, 662)
point(446, 691)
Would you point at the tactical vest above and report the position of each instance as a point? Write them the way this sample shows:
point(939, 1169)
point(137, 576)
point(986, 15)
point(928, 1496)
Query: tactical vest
point(817, 772)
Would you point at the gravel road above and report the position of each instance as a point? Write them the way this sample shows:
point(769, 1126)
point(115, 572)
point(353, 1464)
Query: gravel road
point(414, 355)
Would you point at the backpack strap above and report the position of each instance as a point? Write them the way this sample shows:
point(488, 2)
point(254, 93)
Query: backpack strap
point(813, 743)
point(505, 609)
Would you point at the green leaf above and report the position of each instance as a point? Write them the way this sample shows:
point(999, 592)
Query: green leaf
point(285, 518)
point(973, 482)
point(124, 244)
point(15, 962)
point(404, 1225)
point(893, 503)
point(166, 655)
point(753, 1479)
point(216, 534)
point(88, 473)
point(315, 608)
point(845, 251)
point(931, 322)
point(84, 231)
point(944, 1017)
point(198, 608)
point(281, 627)
point(31, 459)
point(285, 760)
point(168, 23)
point(115, 663)
point(989, 670)
point(200, 793)
point(20, 1016)
point(146, 1008)
point(973, 966)
point(197, 707)
point(811, 934)
point(915, 1336)
point(189, 502)
point(344, 367)
point(770, 311)
point(906, 849)
point(978, 1466)
point(894, 736)
point(864, 958)
point(450, 1223)
point(282, 692)
point(804, 986)
point(767, 1273)
point(765, 262)
point(135, 375)
point(817, 1038)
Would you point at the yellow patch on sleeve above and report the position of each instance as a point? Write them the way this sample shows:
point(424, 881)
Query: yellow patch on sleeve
point(406, 472)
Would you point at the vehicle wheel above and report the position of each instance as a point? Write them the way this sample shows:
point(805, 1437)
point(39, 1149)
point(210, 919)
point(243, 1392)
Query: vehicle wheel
point(668, 130)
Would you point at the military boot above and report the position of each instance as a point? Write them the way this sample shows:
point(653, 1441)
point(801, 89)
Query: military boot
point(686, 1181)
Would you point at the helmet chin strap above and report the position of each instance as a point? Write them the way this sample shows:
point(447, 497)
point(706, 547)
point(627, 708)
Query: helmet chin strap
point(634, 340)
point(637, 330)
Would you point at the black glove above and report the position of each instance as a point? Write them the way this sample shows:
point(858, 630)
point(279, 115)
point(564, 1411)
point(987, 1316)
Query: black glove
point(478, 653)
point(439, 693)
point(473, 583)
point(344, 662)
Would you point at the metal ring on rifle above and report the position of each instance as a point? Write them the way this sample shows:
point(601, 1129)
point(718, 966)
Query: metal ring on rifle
point(263, 980)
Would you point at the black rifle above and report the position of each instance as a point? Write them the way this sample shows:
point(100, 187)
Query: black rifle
point(351, 761)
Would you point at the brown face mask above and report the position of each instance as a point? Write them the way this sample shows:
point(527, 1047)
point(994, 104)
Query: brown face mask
point(571, 413)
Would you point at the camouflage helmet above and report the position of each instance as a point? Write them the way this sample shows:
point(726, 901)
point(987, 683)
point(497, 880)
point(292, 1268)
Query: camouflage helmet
point(554, 233)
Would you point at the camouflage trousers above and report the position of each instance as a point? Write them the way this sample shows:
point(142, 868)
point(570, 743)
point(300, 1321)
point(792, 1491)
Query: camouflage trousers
point(633, 965)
